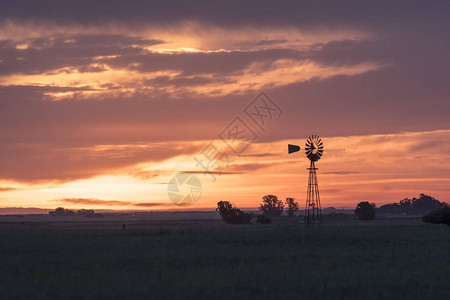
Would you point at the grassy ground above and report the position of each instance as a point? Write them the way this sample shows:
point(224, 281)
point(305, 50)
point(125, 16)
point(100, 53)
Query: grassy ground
point(393, 259)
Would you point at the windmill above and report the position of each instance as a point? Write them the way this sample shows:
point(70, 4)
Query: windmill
point(314, 151)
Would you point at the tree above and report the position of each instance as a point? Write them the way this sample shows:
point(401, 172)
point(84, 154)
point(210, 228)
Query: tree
point(365, 210)
point(271, 206)
point(425, 204)
point(438, 216)
point(231, 214)
point(85, 212)
point(61, 211)
point(415, 206)
point(292, 206)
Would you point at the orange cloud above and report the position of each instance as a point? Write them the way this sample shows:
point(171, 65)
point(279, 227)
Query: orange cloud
point(97, 202)
point(108, 61)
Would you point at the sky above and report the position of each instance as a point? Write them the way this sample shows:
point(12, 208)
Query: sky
point(116, 104)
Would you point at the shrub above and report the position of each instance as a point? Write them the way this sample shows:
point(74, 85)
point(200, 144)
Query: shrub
point(365, 210)
point(263, 219)
point(438, 216)
point(231, 214)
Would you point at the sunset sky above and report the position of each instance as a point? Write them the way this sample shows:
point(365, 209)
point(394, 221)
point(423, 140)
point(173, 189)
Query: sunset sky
point(103, 102)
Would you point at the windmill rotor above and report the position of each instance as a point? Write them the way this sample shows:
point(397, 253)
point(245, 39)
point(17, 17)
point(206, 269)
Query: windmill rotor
point(314, 148)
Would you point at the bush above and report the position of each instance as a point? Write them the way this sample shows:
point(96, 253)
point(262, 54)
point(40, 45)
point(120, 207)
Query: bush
point(438, 216)
point(231, 214)
point(365, 210)
point(263, 219)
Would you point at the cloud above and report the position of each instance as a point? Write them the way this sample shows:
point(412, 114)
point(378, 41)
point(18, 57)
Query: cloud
point(249, 167)
point(260, 155)
point(105, 65)
point(46, 162)
point(92, 201)
point(76, 52)
point(151, 204)
point(229, 13)
point(210, 172)
point(341, 172)
point(232, 169)
point(6, 189)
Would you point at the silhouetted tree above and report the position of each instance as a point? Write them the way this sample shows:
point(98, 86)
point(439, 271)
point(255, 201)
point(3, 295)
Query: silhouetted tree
point(231, 214)
point(415, 206)
point(425, 204)
point(438, 216)
point(271, 206)
point(365, 210)
point(292, 206)
point(263, 219)
point(61, 211)
point(85, 212)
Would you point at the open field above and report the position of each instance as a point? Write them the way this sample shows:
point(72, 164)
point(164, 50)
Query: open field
point(205, 259)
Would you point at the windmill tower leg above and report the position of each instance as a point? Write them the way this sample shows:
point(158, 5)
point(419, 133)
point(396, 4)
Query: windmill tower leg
point(313, 210)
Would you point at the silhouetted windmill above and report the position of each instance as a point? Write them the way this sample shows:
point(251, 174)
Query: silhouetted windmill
point(314, 151)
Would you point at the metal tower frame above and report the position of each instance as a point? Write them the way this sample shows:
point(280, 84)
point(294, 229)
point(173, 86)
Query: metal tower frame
point(313, 209)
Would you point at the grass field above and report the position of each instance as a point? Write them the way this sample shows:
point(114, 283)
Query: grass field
point(383, 259)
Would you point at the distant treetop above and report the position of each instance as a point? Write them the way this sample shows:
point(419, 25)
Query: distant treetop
point(415, 206)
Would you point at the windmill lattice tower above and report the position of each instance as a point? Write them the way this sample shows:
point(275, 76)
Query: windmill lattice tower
point(313, 209)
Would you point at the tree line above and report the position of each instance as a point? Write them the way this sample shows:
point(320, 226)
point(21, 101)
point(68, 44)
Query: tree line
point(433, 210)
point(61, 211)
point(270, 206)
point(424, 205)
